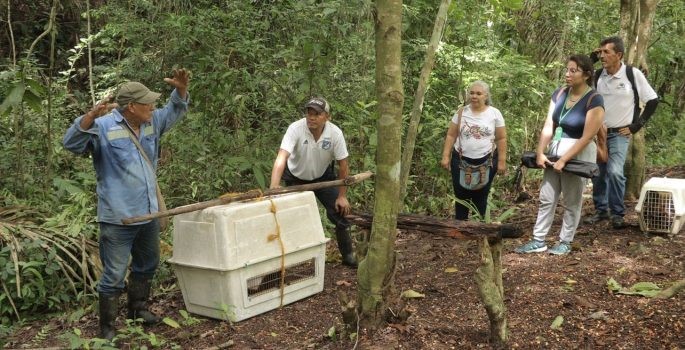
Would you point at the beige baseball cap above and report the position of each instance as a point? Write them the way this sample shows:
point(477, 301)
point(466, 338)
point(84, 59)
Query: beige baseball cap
point(136, 92)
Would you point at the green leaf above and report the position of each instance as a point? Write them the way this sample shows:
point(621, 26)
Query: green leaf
point(34, 101)
point(13, 98)
point(183, 313)
point(331, 333)
point(411, 294)
point(170, 322)
point(35, 87)
point(558, 321)
point(259, 176)
point(644, 286)
point(612, 285)
point(646, 289)
point(7, 74)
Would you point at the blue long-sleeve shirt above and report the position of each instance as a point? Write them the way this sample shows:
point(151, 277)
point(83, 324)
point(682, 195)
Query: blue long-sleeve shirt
point(126, 185)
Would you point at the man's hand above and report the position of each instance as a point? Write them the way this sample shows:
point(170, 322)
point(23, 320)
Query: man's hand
point(101, 108)
point(542, 161)
point(559, 165)
point(180, 81)
point(342, 206)
point(445, 162)
point(501, 167)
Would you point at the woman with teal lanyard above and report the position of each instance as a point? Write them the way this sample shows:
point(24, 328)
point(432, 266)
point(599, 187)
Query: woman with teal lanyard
point(576, 112)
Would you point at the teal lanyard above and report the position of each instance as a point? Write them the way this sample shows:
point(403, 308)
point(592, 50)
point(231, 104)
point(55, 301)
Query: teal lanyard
point(565, 111)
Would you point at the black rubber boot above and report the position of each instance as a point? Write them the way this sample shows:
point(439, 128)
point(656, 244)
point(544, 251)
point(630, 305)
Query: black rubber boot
point(109, 305)
point(342, 235)
point(138, 293)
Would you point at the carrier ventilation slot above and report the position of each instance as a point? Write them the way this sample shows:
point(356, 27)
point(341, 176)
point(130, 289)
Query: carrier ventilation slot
point(270, 281)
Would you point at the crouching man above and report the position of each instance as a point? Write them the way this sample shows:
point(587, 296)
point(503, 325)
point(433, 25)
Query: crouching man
point(307, 155)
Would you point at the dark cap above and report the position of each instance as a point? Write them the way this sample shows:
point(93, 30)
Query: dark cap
point(135, 92)
point(318, 104)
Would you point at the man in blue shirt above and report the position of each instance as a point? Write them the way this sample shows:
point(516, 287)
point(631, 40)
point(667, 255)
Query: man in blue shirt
point(127, 187)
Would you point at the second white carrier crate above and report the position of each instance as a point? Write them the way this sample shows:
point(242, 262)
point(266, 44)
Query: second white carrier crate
point(228, 258)
point(661, 206)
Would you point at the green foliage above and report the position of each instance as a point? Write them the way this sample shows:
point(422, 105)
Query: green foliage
point(133, 334)
point(254, 63)
point(187, 320)
point(645, 289)
point(40, 269)
point(487, 218)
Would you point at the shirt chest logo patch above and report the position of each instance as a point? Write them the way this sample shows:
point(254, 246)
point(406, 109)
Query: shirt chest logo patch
point(326, 144)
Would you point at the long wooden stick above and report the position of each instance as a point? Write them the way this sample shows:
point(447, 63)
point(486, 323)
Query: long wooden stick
point(228, 198)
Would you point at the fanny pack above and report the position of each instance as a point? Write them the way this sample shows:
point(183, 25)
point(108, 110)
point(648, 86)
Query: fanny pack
point(474, 176)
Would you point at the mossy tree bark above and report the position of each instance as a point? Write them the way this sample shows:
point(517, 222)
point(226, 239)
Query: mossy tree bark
point(491, 290)
point(376, 269)
point(637, 17)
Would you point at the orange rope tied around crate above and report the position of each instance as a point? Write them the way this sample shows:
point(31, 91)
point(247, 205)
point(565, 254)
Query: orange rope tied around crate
point(277, 236)
point(235, 194)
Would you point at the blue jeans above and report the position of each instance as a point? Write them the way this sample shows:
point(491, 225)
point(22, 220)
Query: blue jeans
point(609, 187)
point(117, 244)
point(478, 197)
point(326, 196)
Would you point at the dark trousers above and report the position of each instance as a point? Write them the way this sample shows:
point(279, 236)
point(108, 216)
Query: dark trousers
point(326, 196)
point(478, 197)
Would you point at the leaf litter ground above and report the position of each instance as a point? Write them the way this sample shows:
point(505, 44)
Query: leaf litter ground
point(552, 302)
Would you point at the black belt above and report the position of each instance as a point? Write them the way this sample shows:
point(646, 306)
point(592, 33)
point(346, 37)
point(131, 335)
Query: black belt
point(614, 130)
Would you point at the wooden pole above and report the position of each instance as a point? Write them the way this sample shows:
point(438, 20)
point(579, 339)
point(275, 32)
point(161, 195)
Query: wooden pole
point(444, 227)
point(229, 198)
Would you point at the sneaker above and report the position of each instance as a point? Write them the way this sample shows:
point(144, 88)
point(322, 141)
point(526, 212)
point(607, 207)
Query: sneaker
point(617, 222)
point(533, 246)
point(597, 217)
point(561, 248)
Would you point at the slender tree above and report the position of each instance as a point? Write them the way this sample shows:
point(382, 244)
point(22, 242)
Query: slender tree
point(637, 17)
point(416, 110)
point(376, 270)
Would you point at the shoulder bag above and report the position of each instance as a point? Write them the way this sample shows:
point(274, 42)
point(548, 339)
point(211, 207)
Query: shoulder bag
point(163, 221)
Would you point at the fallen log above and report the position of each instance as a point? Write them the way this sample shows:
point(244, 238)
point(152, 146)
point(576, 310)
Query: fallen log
point(229, 198)
point(445, 227)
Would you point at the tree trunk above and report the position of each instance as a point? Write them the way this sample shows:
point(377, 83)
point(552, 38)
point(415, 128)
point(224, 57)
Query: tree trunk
point(376, 269)
point(488, 277)
point(416, 110)
point(637, 17)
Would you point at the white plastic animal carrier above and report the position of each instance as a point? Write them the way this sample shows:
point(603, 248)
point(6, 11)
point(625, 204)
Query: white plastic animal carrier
point(229, 259)
point(661, 206)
